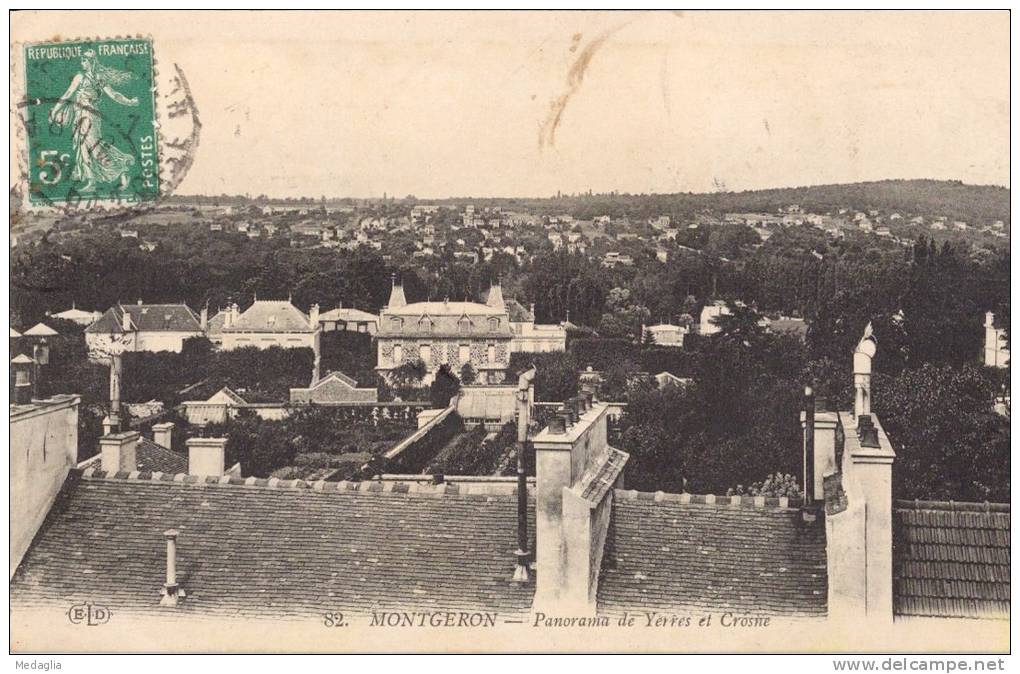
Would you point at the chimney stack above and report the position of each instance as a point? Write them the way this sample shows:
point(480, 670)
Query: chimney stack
point(206, 456)
point(118, 452)
point(162, 434)
point(204, 318)
point(171, 593)
point(313, 316)
point(23, 367)
point(572, 515)
point(125, 319)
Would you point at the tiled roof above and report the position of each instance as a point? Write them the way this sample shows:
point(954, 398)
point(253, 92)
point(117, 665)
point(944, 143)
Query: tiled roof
point(214, 326)
point(40, 330)
point(148, 318)
point(444, 319)
point(227, 395)
point(272, 316)
point(792, 326)
point(677, 552)
point(258, 548)
point(75, 314)
point(951, 559)
point(150, 457)
point(338, 376)
point(348, 315)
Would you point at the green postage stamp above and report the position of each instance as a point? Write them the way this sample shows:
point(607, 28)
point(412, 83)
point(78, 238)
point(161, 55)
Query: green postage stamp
point(90, 116)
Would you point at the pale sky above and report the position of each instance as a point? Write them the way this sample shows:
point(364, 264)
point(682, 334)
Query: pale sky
point(464, 104)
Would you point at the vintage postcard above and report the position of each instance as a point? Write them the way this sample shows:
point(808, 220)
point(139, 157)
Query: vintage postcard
point(510, 331)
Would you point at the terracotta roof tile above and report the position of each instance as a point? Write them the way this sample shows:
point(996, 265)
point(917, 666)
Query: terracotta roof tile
point(272, 316)
point(951, 559)
point(148, 318)
point(285, 551)
point(685, 556)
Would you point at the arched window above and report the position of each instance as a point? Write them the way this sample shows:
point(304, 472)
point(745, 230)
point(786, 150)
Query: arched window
point(493, 324)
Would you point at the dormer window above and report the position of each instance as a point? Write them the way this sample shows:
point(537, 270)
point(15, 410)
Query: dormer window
point(271, 321)
point(464, 325)
point(493, 324)
point(425, 324)
point(397, 324)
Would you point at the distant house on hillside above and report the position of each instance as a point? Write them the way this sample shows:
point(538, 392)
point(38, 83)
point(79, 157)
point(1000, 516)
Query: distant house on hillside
point(269, 323)
point(664, 379)
point(794, 327)
point(996, 351)
point(665, 334)
point(709, 314)
point(143, 327)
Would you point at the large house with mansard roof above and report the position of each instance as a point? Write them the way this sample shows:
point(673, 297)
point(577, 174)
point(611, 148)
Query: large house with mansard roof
point(445, 333)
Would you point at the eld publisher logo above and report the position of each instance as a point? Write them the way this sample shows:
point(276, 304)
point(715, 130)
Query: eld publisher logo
point(89, 614)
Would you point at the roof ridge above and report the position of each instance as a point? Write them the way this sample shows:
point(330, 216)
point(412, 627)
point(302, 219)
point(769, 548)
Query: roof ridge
point(785, 502)
point(479, 490)
point(957, 506)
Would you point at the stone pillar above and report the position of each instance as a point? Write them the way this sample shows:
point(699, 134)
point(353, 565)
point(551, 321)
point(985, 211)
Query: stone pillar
point(206, 456)
point(118, 452)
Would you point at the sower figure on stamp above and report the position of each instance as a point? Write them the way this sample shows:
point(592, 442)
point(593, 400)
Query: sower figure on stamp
point(95, 158)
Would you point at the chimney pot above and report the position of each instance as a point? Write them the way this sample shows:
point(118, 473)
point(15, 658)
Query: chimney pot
point(577, 407)
point(171, 593)
point(557, 425)
point(867, 433)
